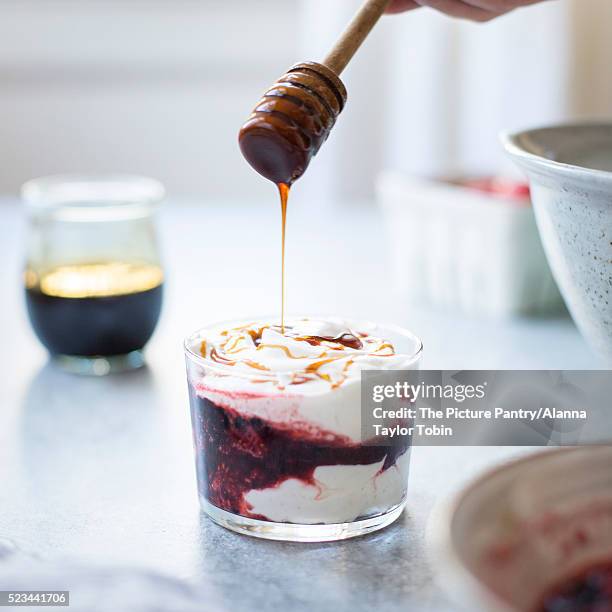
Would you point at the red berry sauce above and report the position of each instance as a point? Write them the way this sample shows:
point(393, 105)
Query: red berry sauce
point(236, 454)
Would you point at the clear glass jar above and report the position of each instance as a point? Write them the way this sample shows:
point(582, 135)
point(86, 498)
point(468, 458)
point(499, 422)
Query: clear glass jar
point(286, 460)
point(93, 279)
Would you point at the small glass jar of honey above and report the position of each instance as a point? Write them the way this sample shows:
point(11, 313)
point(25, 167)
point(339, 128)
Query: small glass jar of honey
point(93, 278)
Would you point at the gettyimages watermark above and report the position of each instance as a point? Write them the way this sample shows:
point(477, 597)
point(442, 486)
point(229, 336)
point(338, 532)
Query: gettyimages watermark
point(487, 407)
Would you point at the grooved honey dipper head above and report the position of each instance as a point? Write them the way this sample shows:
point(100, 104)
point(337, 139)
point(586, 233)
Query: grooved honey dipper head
point(291, 121)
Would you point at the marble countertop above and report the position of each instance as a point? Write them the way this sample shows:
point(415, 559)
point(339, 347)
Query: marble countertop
point(97, 484)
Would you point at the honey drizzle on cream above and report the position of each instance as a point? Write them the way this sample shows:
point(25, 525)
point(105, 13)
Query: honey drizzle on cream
point(344, 374)
point(312, 371)
point(382, 347)
point(281, 347)
point(314, 368)
point(255, 365)
point(214, 355)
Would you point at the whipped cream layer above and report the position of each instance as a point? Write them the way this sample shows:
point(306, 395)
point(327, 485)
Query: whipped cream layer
point(343, 493)
point(307, 379)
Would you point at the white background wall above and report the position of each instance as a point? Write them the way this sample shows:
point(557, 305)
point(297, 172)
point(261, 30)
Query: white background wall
point(160, 87)
point(429, 95)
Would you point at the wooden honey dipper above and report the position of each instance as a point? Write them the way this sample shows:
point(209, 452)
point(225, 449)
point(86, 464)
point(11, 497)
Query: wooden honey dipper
point(295, 116)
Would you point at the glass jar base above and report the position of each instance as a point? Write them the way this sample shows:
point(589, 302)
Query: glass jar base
point(100, 366)
point(292, 532)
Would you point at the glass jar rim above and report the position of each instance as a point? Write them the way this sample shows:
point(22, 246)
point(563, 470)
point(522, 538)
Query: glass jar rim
point(219, 368)
point(92, 191)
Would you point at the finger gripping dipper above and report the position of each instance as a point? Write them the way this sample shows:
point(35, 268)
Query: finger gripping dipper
point(295, 116)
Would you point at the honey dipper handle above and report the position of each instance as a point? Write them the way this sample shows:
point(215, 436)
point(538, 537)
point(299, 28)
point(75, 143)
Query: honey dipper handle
point(355, 33)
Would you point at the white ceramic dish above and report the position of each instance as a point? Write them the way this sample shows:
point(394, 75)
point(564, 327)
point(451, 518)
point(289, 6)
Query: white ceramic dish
point(570, 172)
point(458, 248)
point(520, 529)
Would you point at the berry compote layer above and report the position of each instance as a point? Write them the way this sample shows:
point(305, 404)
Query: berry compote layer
point(277, 423)
point(589, 592)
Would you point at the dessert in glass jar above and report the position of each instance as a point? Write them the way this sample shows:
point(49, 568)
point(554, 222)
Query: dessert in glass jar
point(276, 417)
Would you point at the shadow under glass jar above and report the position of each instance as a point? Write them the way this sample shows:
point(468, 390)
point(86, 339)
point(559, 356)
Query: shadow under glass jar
point(93, 279)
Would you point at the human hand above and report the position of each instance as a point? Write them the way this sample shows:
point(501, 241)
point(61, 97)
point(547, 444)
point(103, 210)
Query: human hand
point(476, 10)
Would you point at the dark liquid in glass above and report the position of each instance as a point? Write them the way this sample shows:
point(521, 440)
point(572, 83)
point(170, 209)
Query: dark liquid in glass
point(101, 309)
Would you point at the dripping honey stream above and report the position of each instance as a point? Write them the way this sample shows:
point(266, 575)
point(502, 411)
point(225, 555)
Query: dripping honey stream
point(296, 115)
point(283, 190)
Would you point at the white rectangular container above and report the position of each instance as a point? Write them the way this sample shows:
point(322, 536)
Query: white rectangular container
point(460, 248)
